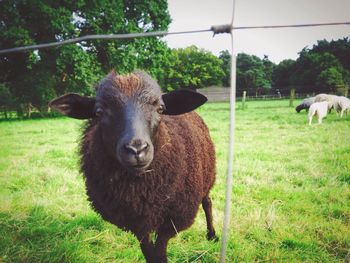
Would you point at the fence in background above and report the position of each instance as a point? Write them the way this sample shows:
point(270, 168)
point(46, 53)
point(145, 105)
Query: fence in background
point(214, 94)
point(219, 94)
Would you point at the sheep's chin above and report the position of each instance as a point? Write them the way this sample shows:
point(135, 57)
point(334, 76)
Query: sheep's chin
point(138, 169)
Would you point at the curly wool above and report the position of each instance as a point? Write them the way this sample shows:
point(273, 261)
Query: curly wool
point(180, 176)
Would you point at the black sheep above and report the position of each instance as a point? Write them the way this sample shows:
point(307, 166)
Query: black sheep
point(305, 104)
point(147, 158)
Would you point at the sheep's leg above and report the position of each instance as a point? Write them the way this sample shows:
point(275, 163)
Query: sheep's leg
point(166, 232)
point(207, 207)
point(337, 111)
point(311, 115)
point(319, 119)
point(310, 119)
point(147, 247)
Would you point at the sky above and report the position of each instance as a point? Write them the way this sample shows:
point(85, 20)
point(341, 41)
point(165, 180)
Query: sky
point(277, 44)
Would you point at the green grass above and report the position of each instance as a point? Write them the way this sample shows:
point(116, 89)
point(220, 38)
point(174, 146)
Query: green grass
point(291, 193)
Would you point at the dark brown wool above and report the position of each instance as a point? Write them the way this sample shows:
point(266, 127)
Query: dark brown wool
point(180, 176)
point(163, 199)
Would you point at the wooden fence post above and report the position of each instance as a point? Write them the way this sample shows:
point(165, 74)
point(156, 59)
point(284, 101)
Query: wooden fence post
point(243, 99)
point(292, 97)
point(346, 90)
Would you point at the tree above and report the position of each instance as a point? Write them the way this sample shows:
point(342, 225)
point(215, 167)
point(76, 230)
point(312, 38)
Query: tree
point(78, 66)
point(118, 17)
point(310, 65)
point(225, 57)
point(282, 72)
point(339, 48)
point(269, 67)
point(330, 79)
point(252, 75)
point(193, 68)
point(326, 62)
point(7, 100)
point(76, 70)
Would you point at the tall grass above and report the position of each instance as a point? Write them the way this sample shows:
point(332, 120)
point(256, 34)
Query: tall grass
point(291, 193)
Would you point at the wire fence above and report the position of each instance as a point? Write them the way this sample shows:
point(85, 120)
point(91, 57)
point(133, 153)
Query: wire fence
point(225, 96)
point(219, 29)
point(219, 94)
point(229, 28)
point(214, 96)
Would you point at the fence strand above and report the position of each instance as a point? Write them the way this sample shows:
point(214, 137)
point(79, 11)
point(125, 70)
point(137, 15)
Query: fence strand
point(228, 192)
point(291, 26)
point(106, 37)
point(215, 29)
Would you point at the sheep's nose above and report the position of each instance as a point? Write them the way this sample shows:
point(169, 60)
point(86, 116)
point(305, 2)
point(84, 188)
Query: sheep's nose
point(137, 148)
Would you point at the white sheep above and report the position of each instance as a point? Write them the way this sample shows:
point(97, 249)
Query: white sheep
point(331, 99)
point(318, 109)
point(342, 105)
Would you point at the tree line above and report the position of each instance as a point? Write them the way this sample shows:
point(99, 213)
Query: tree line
point(30, 79)
point(324, 68)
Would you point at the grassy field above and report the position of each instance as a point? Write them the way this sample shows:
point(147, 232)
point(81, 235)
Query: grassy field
point(291, 193)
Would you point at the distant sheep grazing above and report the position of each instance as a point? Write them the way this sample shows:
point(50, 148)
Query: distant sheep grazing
point(342, 105)
point(331, 99)
point(147, 158)
point(318, 109)
point(305, 104)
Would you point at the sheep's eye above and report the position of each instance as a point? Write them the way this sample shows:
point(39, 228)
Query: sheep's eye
point(98, 112)
point(161, 109)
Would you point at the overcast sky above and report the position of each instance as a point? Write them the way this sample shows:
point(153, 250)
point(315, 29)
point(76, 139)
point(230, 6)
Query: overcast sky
point(278, 44)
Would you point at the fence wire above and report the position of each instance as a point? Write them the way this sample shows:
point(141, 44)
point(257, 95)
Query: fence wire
point(228, 28)
point(229, 175)
point(215, 29)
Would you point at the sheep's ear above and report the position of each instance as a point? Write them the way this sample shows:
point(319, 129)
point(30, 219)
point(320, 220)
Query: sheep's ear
point(74, 106)
point(182, 101)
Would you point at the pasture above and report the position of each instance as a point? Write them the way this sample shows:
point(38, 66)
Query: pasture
point(291, 192)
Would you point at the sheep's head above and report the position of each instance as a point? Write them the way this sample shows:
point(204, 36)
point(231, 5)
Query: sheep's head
point(127, 110)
